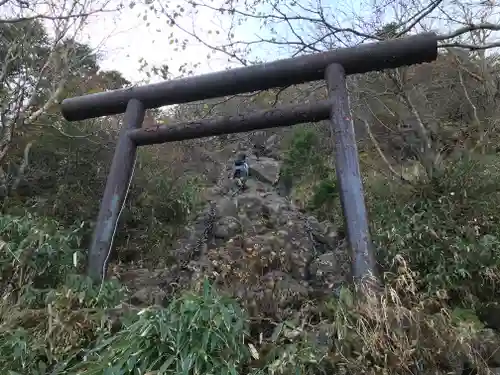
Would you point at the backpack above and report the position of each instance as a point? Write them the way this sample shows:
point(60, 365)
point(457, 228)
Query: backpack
point(240, 170)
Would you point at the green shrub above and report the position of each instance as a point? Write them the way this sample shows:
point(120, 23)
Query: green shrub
point(325, 199)
point(302, 159)
point(448, 231)
point(80, 291)
point(198, 333)
point(158, 204)
point(47, 311)
point(37, 255)
point(65, 176)
point(44, 341)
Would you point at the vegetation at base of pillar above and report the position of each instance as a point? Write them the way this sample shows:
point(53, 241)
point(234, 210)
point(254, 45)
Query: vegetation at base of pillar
point(428, 146)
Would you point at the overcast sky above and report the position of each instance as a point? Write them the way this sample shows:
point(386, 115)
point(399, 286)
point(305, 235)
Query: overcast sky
point(124, 38)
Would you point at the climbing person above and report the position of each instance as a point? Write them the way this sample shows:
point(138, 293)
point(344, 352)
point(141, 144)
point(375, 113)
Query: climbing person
point(240, 173)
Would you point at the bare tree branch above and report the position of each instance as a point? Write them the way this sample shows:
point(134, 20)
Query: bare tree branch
point(53, 18)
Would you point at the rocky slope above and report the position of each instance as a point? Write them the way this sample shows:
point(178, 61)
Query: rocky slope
point(256, 246)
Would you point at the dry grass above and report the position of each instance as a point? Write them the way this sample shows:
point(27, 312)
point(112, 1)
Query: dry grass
point(393, 331)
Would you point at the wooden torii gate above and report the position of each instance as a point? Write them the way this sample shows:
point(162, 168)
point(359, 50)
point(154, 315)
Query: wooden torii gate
point(332, 66)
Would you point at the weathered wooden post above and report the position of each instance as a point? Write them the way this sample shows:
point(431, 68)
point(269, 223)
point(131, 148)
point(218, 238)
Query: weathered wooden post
point(349, 175)
point(115, 193)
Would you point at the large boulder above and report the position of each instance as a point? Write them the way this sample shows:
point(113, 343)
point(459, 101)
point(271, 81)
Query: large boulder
point(264, 169)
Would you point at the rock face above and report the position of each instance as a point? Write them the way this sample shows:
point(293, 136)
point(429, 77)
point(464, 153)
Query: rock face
point(258, 247)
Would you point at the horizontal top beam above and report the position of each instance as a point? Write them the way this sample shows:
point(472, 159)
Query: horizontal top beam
point(360, 59)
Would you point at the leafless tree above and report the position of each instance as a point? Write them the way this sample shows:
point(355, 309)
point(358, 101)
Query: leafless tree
point(39, 54)
point(290, 28)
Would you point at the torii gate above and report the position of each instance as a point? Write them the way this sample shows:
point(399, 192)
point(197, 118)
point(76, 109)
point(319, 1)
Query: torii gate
point(332, 66)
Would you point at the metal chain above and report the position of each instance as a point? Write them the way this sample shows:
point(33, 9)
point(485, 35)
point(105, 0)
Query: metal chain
point(310, 233)
point(209, 223)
